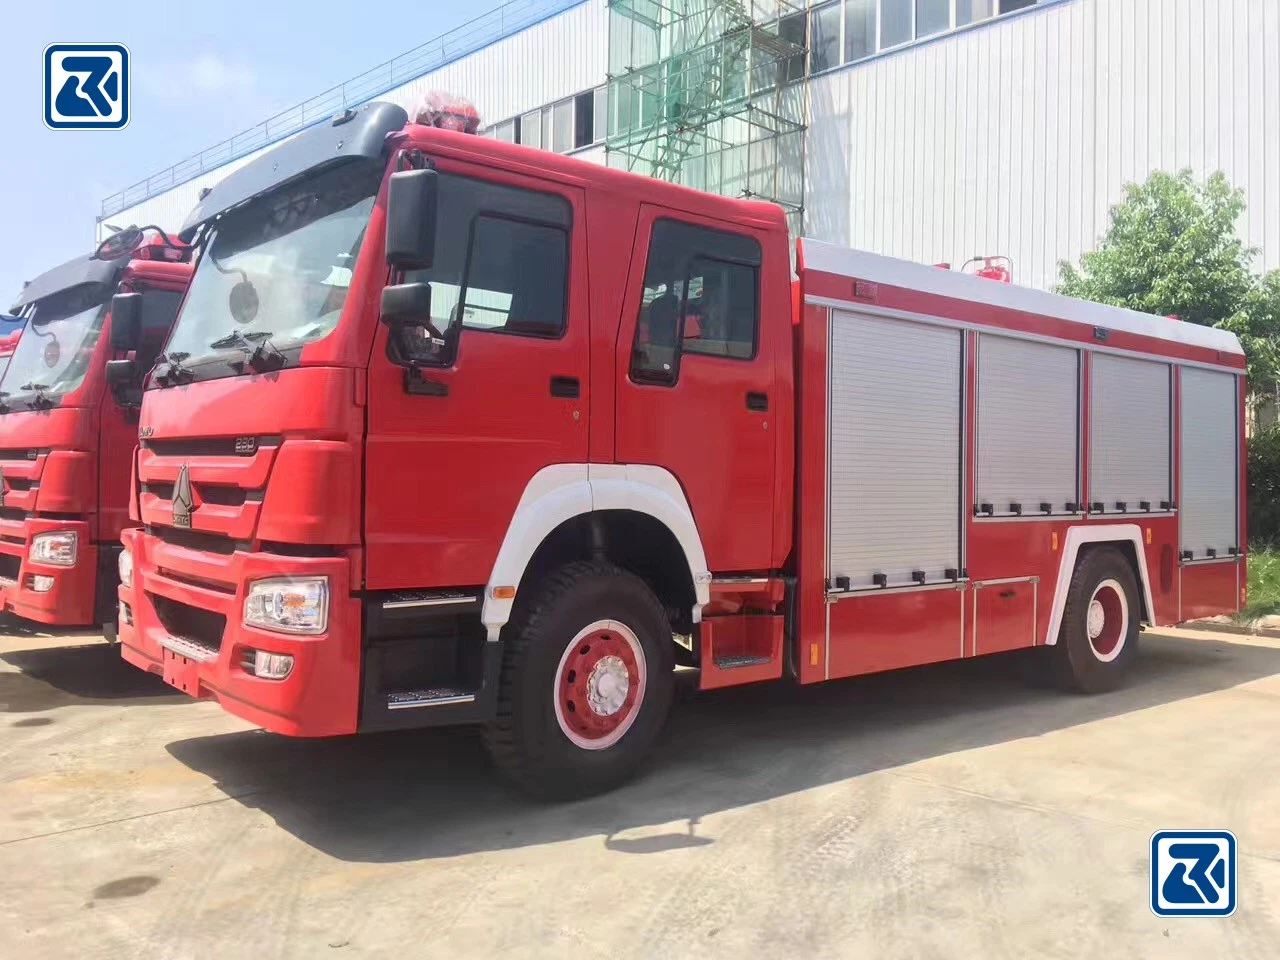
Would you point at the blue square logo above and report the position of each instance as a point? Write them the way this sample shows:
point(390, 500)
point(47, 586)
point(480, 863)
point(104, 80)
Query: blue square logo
point(1193, 873)
point(86, 86)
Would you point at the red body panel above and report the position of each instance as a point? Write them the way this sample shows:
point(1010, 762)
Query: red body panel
point(1211, 588)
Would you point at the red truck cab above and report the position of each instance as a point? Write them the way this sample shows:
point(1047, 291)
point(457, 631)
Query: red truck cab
point(67, 437)
point(450, 430)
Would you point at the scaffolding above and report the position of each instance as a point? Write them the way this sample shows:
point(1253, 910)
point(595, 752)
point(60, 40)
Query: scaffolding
point(703, 93)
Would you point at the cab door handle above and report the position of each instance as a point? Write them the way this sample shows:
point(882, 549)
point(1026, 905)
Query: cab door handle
point(567, 387)
point(757, 401)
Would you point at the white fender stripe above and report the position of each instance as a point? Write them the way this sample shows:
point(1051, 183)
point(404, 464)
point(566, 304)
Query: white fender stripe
point(1095, 533)
point(565, 490)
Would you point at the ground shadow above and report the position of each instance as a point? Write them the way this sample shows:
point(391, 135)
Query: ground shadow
point(422, 794)
point(19, 627)
point(52, 677)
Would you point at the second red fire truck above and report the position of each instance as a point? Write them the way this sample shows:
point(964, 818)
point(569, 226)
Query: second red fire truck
point(455, 431)
point(67, 431)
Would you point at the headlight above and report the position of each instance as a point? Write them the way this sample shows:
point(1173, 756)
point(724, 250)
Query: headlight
point(125, 564)
point(288, 604)
point(58, 549)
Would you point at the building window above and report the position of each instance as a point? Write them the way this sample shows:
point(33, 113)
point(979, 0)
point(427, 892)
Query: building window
point(601, 121)
point(505, 131)
point(792, 30)
point(562, 126)
point(895, 22)
point(932, 16)
point(1008, 6)
point(859, 29)
point(972, 11)
point(529, 131)
point(584, 119)
point(824, 32)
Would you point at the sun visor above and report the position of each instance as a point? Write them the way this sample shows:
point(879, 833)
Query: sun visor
point(83, 271)
point(353, 136)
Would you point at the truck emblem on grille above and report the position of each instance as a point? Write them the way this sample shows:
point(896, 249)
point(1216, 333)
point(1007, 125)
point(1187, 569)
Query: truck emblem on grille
point(183, 502)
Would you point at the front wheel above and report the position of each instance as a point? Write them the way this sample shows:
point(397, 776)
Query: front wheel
point(1098, 639)
point(586, 682)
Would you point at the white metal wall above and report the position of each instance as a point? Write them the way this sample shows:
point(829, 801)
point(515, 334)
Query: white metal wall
point(564, 55)
point(1016, 137)
point(1012, 137)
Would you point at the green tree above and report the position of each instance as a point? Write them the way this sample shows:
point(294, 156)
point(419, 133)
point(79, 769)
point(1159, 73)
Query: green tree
point(1172, 248)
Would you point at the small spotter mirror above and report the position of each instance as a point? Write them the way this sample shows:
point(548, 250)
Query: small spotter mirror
point(119, 244)
point(243, 301)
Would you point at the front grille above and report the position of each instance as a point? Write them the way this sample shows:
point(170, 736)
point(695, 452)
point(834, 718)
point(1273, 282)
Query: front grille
point(12, 513)
point(223, 495)
point(21, 483)
point(196, 540)
point(29, 454)
point(210, 446)
point(186, 622)
point(162, 490)
point(10, 566)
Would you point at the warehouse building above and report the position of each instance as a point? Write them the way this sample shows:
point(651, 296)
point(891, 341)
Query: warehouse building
point(933, 130)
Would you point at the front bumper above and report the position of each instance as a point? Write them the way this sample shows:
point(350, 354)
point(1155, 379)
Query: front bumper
point(69, 602)
point(320, 696)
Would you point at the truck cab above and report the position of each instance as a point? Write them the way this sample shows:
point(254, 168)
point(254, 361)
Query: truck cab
point(67, 436)
point(417, 374)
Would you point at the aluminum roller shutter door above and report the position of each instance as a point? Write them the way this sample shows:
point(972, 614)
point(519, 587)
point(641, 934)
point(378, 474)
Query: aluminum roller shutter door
point(1209, 462)
point(1128, 432)
point(1028, 423)
point(894, 449)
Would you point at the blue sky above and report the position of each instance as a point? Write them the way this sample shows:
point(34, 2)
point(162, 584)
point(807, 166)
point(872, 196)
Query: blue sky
point(200, 74)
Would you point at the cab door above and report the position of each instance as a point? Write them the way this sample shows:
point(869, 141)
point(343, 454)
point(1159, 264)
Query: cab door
point(696, 381)
point(453, 443)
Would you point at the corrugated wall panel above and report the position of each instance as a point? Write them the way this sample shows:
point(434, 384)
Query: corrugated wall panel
point(551, 60)
point(1050, 114)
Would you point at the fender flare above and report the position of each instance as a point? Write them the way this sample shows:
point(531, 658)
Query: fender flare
point(563, 491)
point(1095, 533)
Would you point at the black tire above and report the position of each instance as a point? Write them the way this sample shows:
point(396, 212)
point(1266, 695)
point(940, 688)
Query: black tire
point(527, 740)
point(1095, 665)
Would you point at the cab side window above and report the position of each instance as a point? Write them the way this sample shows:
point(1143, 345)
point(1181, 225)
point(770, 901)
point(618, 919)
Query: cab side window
point(501, 265)
point(701, 296)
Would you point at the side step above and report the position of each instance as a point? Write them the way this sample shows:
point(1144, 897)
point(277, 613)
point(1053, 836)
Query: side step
point(740, 648)
point(429, 697)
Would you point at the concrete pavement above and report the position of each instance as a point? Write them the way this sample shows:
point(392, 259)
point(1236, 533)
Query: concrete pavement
point(949, 811)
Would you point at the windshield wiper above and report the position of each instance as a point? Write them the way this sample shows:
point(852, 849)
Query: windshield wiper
point(169, 370)
point(39, 401)
point(258, 350)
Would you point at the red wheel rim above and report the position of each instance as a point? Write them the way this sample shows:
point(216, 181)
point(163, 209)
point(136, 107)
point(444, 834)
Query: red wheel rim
point(1108, 620)
point(599, 685)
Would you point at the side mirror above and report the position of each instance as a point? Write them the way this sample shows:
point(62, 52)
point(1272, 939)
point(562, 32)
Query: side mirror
point(407, 304)
point(123, 381)
point(411, 219)
point(126, 321)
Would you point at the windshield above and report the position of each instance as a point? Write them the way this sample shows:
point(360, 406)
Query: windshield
point(278, 269)
point(56, 347)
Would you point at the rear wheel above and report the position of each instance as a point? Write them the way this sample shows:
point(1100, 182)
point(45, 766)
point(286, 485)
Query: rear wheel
point(1098, 639)
point(586, 682)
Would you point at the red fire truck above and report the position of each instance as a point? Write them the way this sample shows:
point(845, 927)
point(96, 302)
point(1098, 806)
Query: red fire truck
point(67, 432)
point(436, 441)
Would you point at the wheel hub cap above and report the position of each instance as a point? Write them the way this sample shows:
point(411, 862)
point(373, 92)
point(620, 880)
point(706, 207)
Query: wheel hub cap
point(1097, 619)
point(608, 685)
